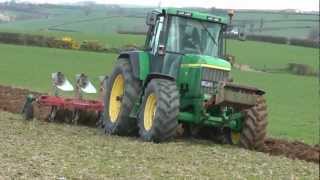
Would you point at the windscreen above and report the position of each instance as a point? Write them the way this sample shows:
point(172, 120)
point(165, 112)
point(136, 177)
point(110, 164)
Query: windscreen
point(191, 36)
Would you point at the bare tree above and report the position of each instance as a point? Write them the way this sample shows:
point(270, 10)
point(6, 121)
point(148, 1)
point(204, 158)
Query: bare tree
point(87, 10)
point(314, 34)
point(261, 24)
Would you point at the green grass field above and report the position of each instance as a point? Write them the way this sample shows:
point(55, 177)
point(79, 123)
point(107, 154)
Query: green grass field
point(38, 150)
point(261, 55)
point(31, 67)
point(291, 99)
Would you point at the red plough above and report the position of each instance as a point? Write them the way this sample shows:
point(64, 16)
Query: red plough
point(75, 105)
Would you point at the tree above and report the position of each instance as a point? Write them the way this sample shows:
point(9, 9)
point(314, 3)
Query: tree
point(261, 24)
point(87, 10)
point(314, 34)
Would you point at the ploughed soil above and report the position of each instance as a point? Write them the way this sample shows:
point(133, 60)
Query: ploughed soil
point(12, 100)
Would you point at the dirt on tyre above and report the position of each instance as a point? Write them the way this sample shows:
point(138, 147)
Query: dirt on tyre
point(121, 93)
point(160, 108)
point(255, 126)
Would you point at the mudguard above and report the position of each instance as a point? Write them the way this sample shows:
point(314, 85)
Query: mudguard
point(157, 76)
point(140, 63)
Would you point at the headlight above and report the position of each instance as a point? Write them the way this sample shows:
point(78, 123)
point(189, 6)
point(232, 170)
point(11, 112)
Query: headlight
point(207, 84)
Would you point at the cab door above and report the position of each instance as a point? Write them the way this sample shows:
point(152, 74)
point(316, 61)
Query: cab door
point(152, 44)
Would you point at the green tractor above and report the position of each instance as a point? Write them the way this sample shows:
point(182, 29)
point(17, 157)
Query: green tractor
point(181, 82)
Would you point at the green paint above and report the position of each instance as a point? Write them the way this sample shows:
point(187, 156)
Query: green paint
point(189, 81)
point(198, 15)
point(143, 65)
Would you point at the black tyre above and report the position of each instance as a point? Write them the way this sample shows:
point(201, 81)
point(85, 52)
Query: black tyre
point(160, 108)
point(76, 116)
point(121, 93)
point(255, 126)
point(27, 111)
point(53, 114)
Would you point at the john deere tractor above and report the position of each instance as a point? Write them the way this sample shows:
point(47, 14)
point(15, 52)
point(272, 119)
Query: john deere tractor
point(181, 81)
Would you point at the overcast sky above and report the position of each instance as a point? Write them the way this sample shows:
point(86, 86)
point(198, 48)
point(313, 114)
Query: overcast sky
point(308, 5)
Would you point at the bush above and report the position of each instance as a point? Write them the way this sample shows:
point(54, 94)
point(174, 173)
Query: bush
point(38, 40)
point(304, 42)
point(301, 69)
point(69, 43)
point(92, 46)
point(272, 39)
point(11, 38)
point(130, 47)
point(35, 40)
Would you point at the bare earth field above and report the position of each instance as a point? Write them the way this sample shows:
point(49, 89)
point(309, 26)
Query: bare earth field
point(39, 150)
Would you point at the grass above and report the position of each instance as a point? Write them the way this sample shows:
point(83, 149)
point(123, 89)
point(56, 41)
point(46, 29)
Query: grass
point(267, 55)
point(31, 67)
point(38, 150)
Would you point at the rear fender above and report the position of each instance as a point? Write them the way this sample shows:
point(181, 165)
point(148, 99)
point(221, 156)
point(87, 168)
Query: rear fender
point(139, 61)
point(157, 76)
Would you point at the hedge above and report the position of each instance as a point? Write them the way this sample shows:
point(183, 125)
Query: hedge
point(305, 43)
point(272, 39)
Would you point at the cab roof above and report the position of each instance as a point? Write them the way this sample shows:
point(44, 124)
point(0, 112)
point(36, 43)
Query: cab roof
point(195, 15)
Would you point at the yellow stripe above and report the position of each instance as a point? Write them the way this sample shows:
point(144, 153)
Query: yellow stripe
point(205, 65)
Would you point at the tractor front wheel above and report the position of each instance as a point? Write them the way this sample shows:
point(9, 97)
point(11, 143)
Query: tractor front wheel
point(255, 125)
point(160, 108)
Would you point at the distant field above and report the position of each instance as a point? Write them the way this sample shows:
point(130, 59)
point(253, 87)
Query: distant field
point(31, 67)
point(266, 55)
point(291, 99)
point(287, 20)
point(67, 18)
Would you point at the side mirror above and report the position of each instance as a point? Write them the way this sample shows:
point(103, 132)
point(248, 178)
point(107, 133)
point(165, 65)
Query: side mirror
point(151, 19)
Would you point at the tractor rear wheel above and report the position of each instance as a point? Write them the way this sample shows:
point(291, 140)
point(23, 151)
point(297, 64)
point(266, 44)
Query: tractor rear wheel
point(121, 93)
point(255, 126)
point(160, 108)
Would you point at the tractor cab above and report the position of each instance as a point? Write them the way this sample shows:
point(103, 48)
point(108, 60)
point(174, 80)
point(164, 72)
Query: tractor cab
point(175, 35)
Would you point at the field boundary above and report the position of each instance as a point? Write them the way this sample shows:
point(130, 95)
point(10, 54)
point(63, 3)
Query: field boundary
point(60, 43)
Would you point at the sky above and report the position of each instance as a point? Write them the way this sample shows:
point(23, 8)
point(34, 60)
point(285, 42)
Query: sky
point(305, 5)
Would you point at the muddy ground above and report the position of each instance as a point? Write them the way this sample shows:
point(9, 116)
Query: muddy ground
point(12, 100)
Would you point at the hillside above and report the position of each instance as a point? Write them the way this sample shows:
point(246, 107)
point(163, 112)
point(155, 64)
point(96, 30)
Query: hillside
point(100, 19)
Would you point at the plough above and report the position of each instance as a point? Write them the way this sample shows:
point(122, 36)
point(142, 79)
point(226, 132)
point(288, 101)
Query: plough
point(76, 105)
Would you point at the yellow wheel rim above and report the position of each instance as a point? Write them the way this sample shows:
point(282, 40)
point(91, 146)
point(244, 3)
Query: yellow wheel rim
point(235, 137)
point(149, 111)
point(115, 98)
